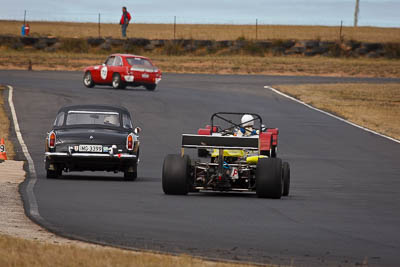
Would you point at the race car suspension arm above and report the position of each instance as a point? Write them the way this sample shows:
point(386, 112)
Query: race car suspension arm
point(220, 163)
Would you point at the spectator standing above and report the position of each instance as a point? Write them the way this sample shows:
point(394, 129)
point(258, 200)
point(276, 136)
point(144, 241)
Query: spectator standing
point(124, 22)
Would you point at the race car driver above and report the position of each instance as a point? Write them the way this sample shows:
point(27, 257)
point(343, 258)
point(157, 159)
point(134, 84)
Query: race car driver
point(247, 126)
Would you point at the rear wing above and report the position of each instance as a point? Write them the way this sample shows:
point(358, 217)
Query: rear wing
point(227, 142)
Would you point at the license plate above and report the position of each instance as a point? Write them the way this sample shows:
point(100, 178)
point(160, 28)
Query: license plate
point(145, 75)
point(90, 148)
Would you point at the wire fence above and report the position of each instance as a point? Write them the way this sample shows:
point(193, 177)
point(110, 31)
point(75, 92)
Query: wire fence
point(113, 17)
point(105, 24)
point(234, 12)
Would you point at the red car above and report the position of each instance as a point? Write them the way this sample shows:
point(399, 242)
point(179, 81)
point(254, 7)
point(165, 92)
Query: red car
point(121, 70)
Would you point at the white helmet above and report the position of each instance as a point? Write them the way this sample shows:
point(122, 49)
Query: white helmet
point(247, 120)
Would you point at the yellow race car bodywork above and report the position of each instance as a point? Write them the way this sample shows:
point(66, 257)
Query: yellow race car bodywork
point(238, 154)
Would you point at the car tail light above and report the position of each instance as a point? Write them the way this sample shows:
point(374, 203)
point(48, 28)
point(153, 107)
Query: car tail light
point(52, 140)
point(129, 142)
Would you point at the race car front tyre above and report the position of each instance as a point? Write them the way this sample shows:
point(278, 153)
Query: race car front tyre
point(117, 82)
point(175, 175)
point(151, 87)
point(286, 178)
point(269, 178)
point(88, 80)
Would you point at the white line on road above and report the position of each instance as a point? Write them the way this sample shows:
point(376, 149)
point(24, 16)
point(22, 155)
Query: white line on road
point(330, 114)
point(33, 207)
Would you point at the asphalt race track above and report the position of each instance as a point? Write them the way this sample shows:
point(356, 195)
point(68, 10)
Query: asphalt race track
point(344, 205)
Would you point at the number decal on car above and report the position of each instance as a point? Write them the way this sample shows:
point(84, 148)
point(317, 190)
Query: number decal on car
point(103, 72)
point(235, 173)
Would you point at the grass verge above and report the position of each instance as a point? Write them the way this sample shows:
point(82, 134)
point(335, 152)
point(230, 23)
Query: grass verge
point(374, 106)
point(204, 31)
point(5, 126)
point(213, 64)
point(20, 252)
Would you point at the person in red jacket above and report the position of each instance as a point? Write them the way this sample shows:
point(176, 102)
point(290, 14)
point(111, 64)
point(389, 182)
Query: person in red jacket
point(124, 22)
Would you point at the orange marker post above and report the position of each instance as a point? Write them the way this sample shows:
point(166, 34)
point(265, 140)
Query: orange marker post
point(3, 154)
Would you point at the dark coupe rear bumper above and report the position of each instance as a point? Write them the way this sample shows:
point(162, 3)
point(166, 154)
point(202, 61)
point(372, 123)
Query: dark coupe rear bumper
point(90, 161)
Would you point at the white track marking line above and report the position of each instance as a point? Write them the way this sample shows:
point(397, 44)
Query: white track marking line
point(33, 207)
point(330, 114)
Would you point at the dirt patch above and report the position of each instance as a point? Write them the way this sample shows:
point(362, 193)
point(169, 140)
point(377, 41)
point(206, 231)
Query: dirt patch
point(13, 221)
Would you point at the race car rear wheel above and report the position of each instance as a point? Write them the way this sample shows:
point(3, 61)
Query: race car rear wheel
point(131, 173)
point(52, 174)
point(117, 82)
point(286, 178)
point(130, 176)
point(269, 178)
point(151, 87)
point(88, 80)
point(175, 175)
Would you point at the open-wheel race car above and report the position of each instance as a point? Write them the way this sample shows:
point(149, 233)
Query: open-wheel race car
point(122, 70)
point(235, 153)
point(92, 138)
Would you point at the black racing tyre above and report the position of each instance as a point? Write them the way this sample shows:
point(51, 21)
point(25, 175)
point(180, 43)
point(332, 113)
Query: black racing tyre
point(175, 175)
point(52, 174)
point(151, 87)
point(131, 175)
point(88, 80)
point(274, 152)
point(267, 153)
point(117, 82)
point(269, 178)
point(286, 178)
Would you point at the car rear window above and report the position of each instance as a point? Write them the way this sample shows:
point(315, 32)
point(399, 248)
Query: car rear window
point(59, 119)
point(126, 122)
point(139, 62)
point(79, 117)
